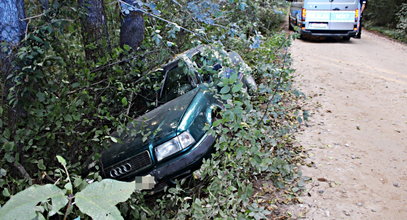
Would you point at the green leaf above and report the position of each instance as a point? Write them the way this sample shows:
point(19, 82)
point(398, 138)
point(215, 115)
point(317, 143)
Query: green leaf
point(39, 40)
point(98, 200)
point(124, 101)
point(225, 89)
point(6, 193)
point(68, 118)
point(237, 87)
point(61, 160)
point(9, 146)
point(126, 47)
point(216, 123)
point(22, 205)
point(3, 172)
point(41, 165)
point(68, 186)
point(113, 139)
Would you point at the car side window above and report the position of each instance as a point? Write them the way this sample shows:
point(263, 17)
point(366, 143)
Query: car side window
point(177, 83)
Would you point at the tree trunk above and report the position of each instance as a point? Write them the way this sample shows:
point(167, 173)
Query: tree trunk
point(12, 29)
point(94, 28)
point(132, 28)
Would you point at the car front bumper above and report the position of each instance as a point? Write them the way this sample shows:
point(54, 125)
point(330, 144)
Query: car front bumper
point(186, 162)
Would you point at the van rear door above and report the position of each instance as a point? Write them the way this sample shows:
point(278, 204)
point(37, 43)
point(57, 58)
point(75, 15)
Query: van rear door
point(318, 14)
point(343, 14)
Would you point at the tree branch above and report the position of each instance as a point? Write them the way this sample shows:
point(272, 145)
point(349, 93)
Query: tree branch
point(35, 16)
point(165, 20)
point(22, 170)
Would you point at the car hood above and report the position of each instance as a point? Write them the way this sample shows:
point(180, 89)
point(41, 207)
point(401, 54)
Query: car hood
point(154, 127)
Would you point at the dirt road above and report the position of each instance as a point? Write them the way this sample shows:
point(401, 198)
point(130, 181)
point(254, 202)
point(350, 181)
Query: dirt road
point(357, 134)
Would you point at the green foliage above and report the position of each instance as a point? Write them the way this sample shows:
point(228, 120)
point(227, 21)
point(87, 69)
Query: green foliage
point(23, 205)
point(98, 200)
point(402, 23)
point(388, 17)
point(382, 12)
point(72, 106)
point(254, 143)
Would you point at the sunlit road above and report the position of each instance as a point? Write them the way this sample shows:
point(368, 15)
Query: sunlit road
point(358, 132)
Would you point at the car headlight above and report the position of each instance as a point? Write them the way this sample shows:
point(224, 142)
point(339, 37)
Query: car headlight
point(174, 145)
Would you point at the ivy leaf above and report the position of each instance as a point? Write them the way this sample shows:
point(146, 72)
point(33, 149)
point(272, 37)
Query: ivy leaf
point(22, 205)
point(98, 200)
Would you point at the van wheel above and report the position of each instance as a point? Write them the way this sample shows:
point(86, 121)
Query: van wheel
point(346, 38)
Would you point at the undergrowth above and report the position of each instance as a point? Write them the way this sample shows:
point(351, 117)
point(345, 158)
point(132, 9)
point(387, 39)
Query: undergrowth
point(71, 106)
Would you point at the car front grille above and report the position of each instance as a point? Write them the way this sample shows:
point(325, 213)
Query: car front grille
point(131, 165)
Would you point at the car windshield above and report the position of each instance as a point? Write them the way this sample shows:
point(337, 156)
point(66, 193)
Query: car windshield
point(207, 66)
point(176, 83)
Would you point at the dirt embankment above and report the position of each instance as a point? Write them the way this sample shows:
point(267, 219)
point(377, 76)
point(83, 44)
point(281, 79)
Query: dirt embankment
point(357, 134)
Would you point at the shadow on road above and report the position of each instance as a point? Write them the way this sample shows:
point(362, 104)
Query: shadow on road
point(327, 40)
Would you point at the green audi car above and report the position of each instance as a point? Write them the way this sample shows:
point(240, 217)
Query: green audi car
point(170, 141)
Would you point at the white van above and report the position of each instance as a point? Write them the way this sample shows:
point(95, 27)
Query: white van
point(331, 18)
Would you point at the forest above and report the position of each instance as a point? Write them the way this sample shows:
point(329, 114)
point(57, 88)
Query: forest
point(388, 17)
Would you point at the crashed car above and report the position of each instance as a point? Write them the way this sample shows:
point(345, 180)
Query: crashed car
point(171, 141)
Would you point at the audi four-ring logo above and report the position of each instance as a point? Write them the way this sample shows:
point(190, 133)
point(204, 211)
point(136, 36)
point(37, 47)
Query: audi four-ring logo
point(120, 170)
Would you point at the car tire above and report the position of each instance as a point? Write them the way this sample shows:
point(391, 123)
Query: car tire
point(346, 38)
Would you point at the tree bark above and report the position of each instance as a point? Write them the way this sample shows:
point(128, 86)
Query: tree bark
point(94, 28)
point(132, 28)
point(12, 29)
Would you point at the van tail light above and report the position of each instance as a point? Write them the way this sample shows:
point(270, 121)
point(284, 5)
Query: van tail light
point(356, 15)
point(303, 14)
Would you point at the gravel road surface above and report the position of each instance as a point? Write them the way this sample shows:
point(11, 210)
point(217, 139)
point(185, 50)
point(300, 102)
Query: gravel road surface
point(357, 133)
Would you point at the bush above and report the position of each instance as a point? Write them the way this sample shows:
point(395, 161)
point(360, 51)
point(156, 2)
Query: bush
point(402, 23)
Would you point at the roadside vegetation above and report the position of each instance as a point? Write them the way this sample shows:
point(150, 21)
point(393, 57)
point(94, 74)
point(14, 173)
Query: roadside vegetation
point(66, 91)
point(387, 17)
